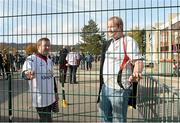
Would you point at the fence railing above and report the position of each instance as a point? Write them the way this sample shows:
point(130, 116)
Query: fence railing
point(157, 101)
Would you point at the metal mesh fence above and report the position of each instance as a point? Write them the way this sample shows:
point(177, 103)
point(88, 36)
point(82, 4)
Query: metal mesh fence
point(82, 24)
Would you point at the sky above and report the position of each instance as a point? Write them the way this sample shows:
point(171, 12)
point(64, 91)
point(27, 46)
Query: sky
point(26, 21)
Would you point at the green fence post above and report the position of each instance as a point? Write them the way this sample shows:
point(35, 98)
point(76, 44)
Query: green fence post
point(64, 103)
point(9, 98)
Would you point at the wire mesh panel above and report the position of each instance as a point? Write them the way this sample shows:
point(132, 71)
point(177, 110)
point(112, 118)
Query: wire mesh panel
point(59, 57)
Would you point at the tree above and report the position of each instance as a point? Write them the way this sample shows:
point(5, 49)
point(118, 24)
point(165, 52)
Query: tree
point(30, 49)
point(139, 36)
point(4, 46)
point(7, 47)
point(92, 38)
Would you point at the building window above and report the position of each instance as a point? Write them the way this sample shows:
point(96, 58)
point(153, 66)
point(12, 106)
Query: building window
point(173, 48)
point(164, 49)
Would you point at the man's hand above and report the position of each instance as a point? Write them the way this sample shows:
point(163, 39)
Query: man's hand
point(30, 74)
point(137, 72)
point(135, 77)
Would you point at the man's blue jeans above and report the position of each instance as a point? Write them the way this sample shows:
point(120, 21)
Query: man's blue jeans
point(72, 73)
point(113, 104)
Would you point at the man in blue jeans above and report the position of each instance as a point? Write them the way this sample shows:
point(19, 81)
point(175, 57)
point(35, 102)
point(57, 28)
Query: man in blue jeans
point(113, 101)
point(73, 59)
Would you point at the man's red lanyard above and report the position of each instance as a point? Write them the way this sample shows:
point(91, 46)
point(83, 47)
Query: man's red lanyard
point(126, 58)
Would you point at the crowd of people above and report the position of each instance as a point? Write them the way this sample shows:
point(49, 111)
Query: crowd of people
point(10, 63)
point(72, 59)
point(86, 59)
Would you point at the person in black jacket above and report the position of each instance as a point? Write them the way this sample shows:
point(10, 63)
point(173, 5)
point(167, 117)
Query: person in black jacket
point(116, 75)
point(1, 65)
point(62, 64)
point(6, 60)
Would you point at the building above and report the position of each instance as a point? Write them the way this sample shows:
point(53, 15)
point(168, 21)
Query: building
point(152, 45)
point(163, 43)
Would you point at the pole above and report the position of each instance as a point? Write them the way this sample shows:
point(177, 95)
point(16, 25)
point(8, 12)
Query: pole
point(64, 103)
point(10, 98)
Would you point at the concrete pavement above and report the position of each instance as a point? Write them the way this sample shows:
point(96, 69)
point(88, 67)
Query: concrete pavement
point(81, 98)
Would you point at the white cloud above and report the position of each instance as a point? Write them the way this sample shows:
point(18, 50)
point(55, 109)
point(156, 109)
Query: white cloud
point(70, 23)
point(22, 29)
point(65, 39)
point(64, 36)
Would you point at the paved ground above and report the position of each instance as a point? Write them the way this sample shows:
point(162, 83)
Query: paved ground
point(164, 95)
point(168, 80)
point(81, 98)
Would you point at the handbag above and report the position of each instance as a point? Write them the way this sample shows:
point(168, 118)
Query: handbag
point(55, 105)
point(133, 94)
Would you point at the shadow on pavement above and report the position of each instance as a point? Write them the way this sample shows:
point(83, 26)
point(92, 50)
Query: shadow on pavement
point(18, 87)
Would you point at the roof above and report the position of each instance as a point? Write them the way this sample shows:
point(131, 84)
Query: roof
point(174, 20)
